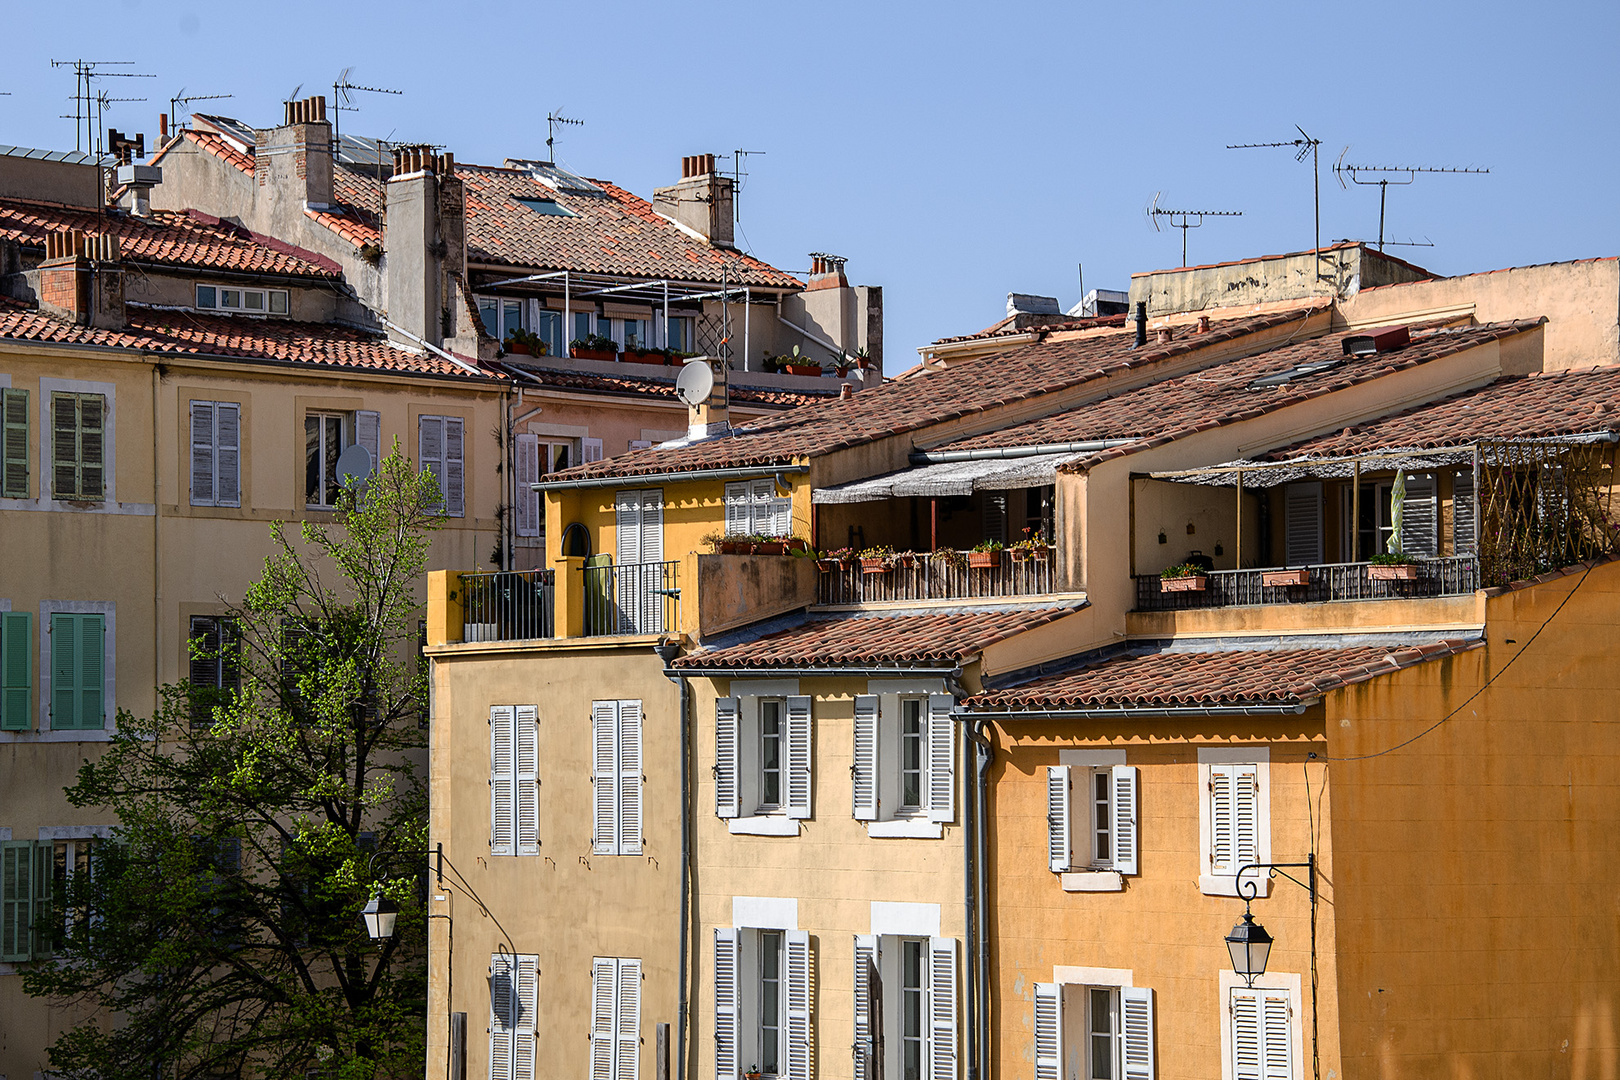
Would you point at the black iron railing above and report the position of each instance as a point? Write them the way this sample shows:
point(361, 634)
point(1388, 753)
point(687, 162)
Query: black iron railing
point(632, 598)
point(508, 605)
point(924, 578)
point(1330, 581)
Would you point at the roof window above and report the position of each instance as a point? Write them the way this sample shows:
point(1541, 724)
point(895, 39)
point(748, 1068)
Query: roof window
point(547, 208)
point(251, 301)
point(1283, 378)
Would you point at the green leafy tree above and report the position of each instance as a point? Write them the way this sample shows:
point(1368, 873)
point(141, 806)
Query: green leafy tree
point(221, 924)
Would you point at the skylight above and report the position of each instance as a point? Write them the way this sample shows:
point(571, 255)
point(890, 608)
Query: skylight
point(546, 207)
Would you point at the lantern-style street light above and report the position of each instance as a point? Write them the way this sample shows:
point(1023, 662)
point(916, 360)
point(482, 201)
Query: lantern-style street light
point(1249, 944)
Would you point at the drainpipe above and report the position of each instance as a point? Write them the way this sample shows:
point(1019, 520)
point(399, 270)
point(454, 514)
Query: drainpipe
point(970, 907)
point(667, 651)
point(1141, 324)
point(985, 754)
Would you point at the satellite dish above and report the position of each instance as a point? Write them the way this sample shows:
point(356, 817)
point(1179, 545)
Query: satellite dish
point(354, 466)
point(696, 383)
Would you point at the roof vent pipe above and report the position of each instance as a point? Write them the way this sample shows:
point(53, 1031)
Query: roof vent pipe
point(1141, 323)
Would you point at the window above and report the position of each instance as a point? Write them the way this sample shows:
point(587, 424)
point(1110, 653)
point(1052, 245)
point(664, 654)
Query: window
point(1235, 816)
point(1262, 1035)
point(763, 757)
point(16, 671)
point(514, 780)
point(911, 982)
point(77, 676)
point(26, 884)
point(71, 859)
point(76, 446)
point(615, 1018)
point(904, 763)
point(14, 442)
point(639, 576)
point(326, 436)
point(538, 456)
point(501, 316)
point(616, 779)
point(762, 1012)
point(252, 301)
point(546, 207)
point(216, 453)
point(1110, 1027)
point(214, 668)
point(678, 334)
point(1091, 817)
point(439, 451)
point(514, 1002)
point(1420, 532)
point(754, 508)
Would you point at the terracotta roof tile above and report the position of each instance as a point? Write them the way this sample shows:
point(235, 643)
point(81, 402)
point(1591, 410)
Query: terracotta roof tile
point(220, 148)
point(1008, 328)
point(660, 388)
point(870, 639)
point(1223, 677)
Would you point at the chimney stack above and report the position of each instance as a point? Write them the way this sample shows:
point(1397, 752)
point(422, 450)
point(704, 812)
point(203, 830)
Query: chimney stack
point(425, 247)
point(296, 157)
point(140, 180)
point(701, 202)
point(827, 271)
point(82, 279)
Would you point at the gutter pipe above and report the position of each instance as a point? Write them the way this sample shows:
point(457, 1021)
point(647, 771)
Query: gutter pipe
point(851, 672)
point(985, 754)
point(1131, 711)
point(738, 473)
point(810, 335)
point(667, 652)
point(936, 457)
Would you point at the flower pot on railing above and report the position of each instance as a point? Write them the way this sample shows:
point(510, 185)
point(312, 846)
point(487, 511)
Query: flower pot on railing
point(1277, 579)
point(876, 566)
point(827, 566)
point(803, 369)
point(735, 547)
point(1187, 583)
point(983, 560)
point(905, 560)
point(1392, 571)
point(637, 356)
point(591, 354)
point(770, 547)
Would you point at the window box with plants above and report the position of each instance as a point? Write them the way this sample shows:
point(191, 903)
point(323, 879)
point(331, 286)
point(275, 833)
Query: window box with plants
point(523, 343)
point(985, 555)
point(644, 356)
point(1392, 567)
point(1183, 577)
point(593, 347)
point(798, 363)
point(877, 560)
point(1277, 579)
point(1031, 548)
point(835, 559)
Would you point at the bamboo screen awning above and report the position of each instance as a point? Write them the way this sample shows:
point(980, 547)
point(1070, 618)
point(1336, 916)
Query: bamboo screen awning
point(950, 478)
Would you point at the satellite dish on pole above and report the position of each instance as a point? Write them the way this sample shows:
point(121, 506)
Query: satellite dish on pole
point(696, 382)
point(354, 466)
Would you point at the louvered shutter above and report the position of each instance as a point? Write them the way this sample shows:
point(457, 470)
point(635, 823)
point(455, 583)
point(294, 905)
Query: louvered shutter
point(796, 991)
point(92, 655)
point(454, 471)
point(652, 526)
point(16, 671)
point(604, 986)
point(627, 527)
point(1245, 815)
point(863, 779)
point(1463, 532)
point(64, 672)
point(13, 443)
point(799, 756)
point(430, 452)
point(739, 509)
point(228, 454)
point(527, 513)
point(995, 515)
point(1122, 799)
point(605, 777)
point(941, 1008)
point(502, 780)
point(1048, 1031)
point(866, 953)
point(941, 759)
point(1136, 1016)
point(203, 672)
point(525, 1017)
point(727, 768)
point(627, 1024)
point(1420, 534)
point(590, 450)
point(1059, 828)
point(16, 898)
point(1302, 514)
point(502, 1000)
point(92, 409)
point(64, 446)
point(526, 779)
point(1277, 1051)
point(1222, 828)
point(630, 778)
point(727, 1003)
point(368, 433)
point(43, 924)
point(202, 454)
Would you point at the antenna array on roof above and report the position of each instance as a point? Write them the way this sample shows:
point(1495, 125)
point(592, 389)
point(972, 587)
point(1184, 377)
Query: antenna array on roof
point(343, 92)
point(87, 104)
point(1302, 145)
point(182, 98)
point(1183, 219)
point(552, 120)
point(1384, 172)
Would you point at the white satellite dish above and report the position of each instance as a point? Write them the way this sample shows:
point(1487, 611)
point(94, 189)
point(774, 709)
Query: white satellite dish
point(354, 466)
point(696, 382)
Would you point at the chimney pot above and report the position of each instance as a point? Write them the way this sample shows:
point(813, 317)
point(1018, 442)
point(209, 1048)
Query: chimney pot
point(1165, 335)
point(1203, 324)
point(163, 127)
point(1141, 323)
point(846, 392)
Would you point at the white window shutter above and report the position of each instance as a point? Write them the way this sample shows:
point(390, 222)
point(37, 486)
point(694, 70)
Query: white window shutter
point(1136, 1023)
point(627, 1029)
point(604, 1011)
point(727, 1003)
point(368, 433)
point(1222, 827)
point(1246, 1036)
point(866, 955)
point(1122, 799)
point(527, 511)
point(1245, 815)
point(1048, 1031)
point(228, 458)
point(863, 777)
point(526, 1007)
point(941, 759)
point(430, 450)
point(1420, 534)
point(454, 473)
point(762, 492)
point(202, 453)
point(502, 998)
point(526, 786)
point(627, 527)
point(590, 450)
point(727, 747)
point(652, 525)
point(1262, 1035)
point(739, 500)
point(1302, 513)
point(796, 946)
point(941, 1008)
point(630, 778)
point(781, 516)
point(1277, 1051)
point(799, 756)
point(1059, 831)
point(605, 777)
point(502, 780)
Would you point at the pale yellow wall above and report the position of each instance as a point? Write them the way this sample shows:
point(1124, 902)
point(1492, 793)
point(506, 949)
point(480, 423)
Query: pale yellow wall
point(1211, 511)
point(567, 905)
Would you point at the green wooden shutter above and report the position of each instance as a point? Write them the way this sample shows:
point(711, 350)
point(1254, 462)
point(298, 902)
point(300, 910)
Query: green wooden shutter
point(91, 408)
point(76, 672)
point(16, 671)
point(65, 446)
point(14, 438)
point(42, 923)
point(16, 898)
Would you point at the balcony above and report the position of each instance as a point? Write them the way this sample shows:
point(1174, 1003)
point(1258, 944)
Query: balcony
point(508, 606)
point(631, 598)
point(1455, 576)
point(923, 578)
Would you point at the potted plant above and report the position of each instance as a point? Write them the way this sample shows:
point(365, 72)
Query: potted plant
point(799, 364)
point(634, 355)
point(863, 359)
point(1031, 548)
point(1392, 566)
point(1183, 577)
point(593, 347)
point(831, 560)
point(768, 545)
point(877, 560)
point(948, 556)
point(753, 1073)
point(1285, 578)
point(796, 545)
point(985, 555)
point(905, 560)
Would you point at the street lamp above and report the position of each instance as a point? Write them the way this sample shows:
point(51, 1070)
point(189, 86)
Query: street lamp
point(380, 914)
point(1249, 944)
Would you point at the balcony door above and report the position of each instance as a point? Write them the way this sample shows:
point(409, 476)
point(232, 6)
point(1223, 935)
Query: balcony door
point(639, 521)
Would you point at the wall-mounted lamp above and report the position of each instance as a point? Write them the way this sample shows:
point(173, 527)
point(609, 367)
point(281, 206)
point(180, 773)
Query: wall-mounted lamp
point(1249, 944)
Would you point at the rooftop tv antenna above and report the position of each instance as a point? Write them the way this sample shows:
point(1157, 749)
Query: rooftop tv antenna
point(105, 101)
point(343, 92)
point(739, 177)
point(552, 120)
point(182, 98)
point(1302, 145)
point(1384, 174)
point(1425, 242)
point(1183, 220)
point(84, 96)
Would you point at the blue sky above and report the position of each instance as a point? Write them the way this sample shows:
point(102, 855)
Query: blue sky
point(953, 152)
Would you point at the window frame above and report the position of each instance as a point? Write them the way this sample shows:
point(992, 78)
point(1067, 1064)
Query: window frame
point(327, 487)
point(753, 508)
point(879, 747)
point(1215, 881)
point(103, 633)
point(938, 999)
point(82, 489)
point(218, 454)
point(1072, 787)
point(615, 1029)
point(227, 679)
point(618, 782)
point(1282, 986)
point(451, 472)
point(518, 975)
point(1063, 1010)
point(266, 298)
point(738, 776)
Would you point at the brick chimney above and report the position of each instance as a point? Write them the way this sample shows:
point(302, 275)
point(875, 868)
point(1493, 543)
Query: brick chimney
point(701, 202)
point(425, 248)
point(827, 271)
point(82, 279)
point(296, 158)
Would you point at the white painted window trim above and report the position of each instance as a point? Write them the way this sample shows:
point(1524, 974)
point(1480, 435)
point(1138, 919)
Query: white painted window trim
point(1260, 756)
point(906, 828)
point(1091, 879)
point(894, 919)
point(765, 912)
point(109, 684)
point(1287, 982)
point(1069, 975)
point(917, 824)
point(763, 825)
point(748, 693)
point(1091, 759)
point(73, 832)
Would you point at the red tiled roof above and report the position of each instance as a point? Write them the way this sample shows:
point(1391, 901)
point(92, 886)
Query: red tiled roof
point(191, 333)
point(658, 388)
point(168, 237)
point(1175, 408)
point(869, 639)
point(612, 232)
point(1224, 677)
point(220, 148)
point(359, 198)
point(1008, 328)
point(898, 407)
point(1574, 402)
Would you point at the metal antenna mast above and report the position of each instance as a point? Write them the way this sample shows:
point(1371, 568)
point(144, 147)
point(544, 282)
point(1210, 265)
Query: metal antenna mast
point(103, 103)
point(737, 177)
point(552, 120)
point(1183, 220)
point(1303, 145)
point(343, 92)
point(84, 98)
point(1341, 170)
point(181, 98)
